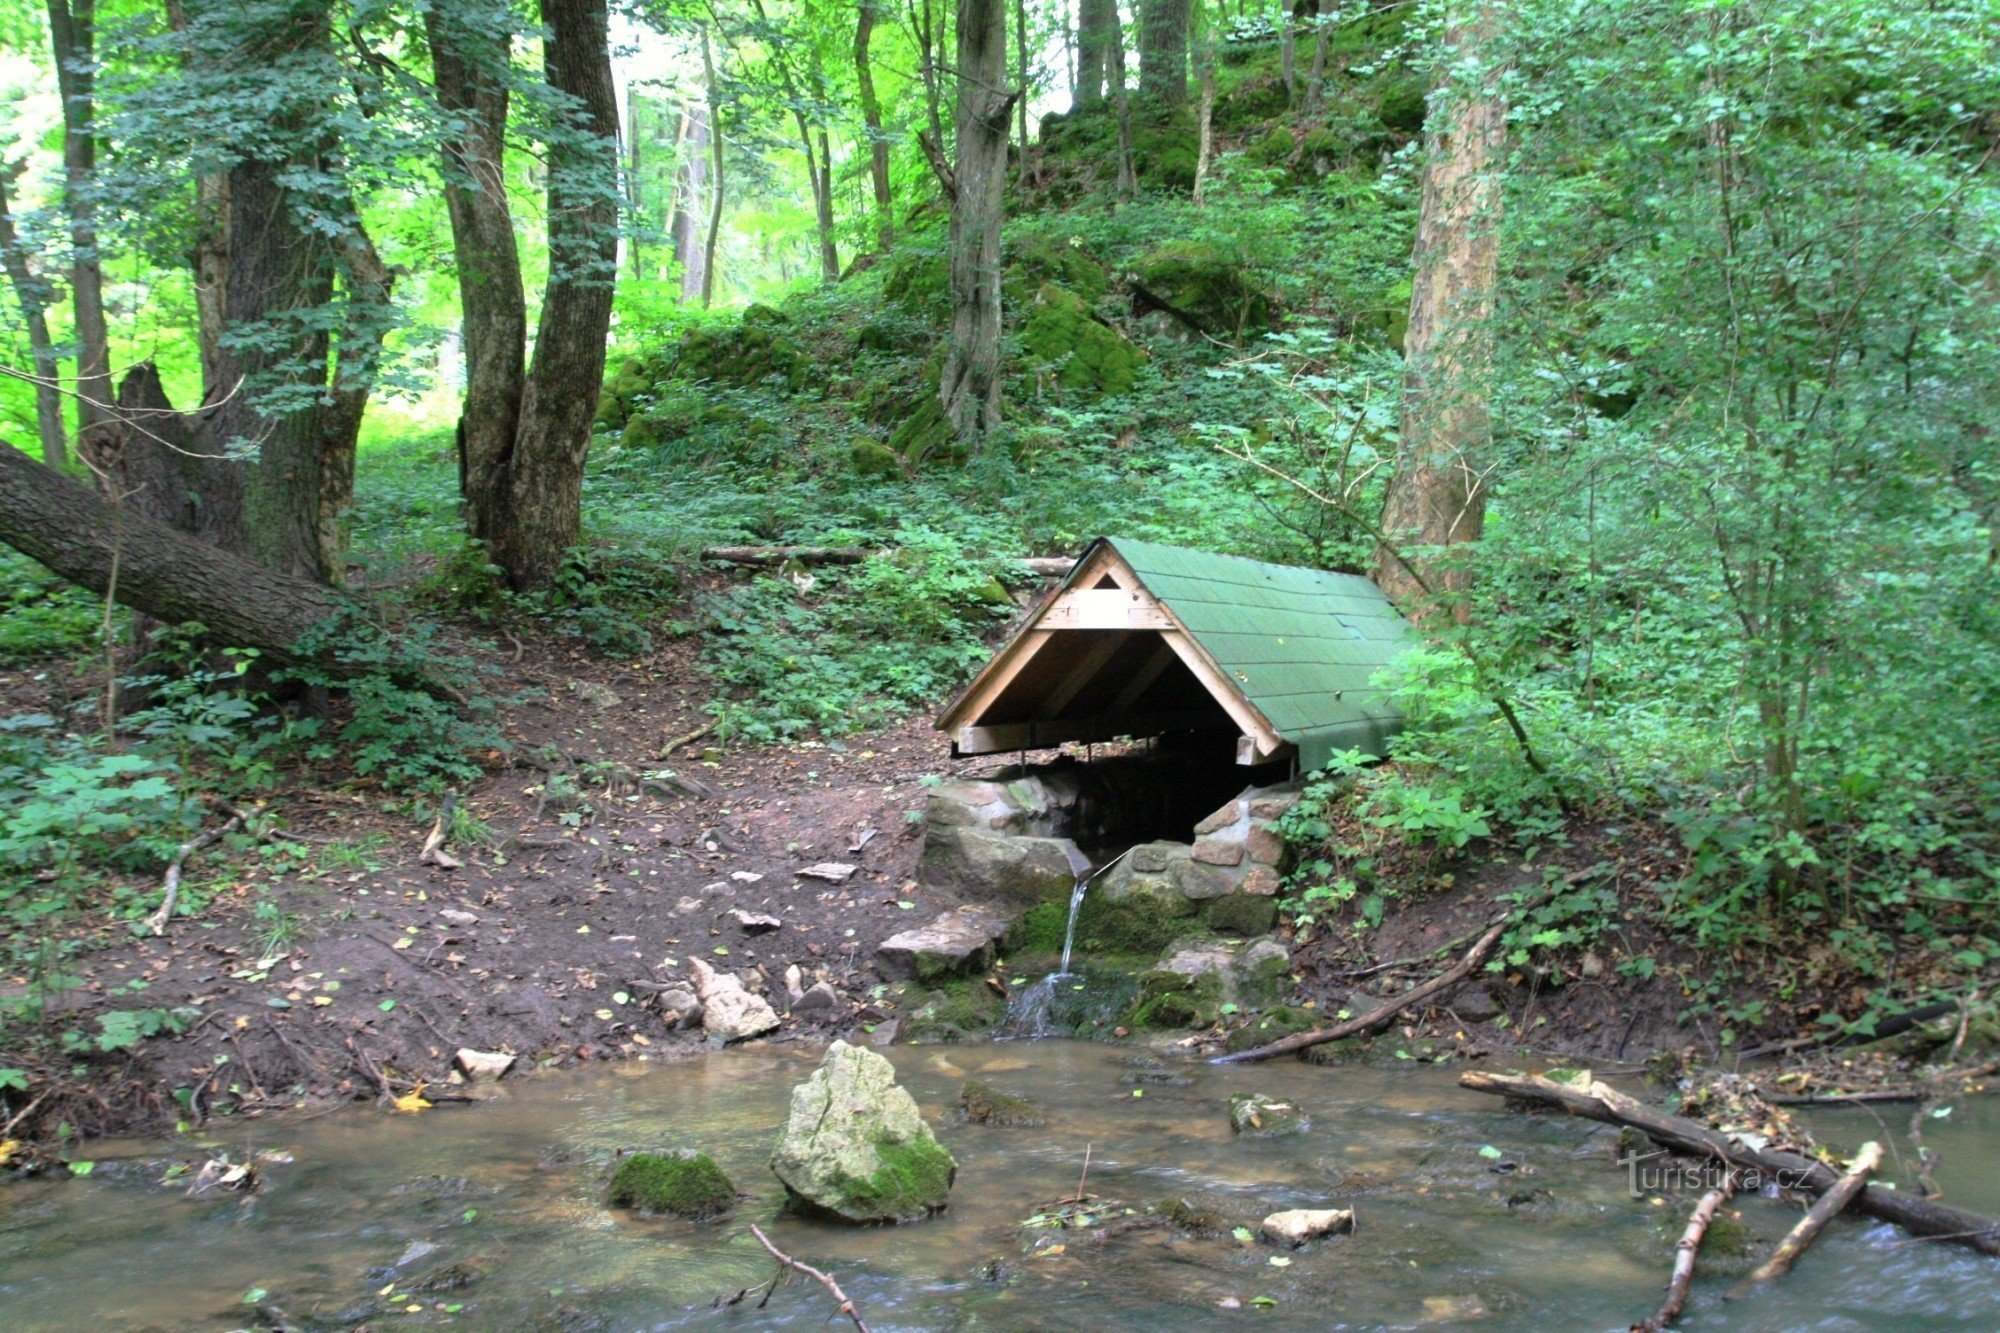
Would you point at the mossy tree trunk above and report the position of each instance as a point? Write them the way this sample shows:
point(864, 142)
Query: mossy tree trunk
point(1096, 51)
point(1163, 49)
point(969, 388)
point(1437, 497)
point(871, 119)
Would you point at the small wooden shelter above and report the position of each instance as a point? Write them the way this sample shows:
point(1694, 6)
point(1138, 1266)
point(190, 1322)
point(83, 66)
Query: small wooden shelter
point(1146, 640)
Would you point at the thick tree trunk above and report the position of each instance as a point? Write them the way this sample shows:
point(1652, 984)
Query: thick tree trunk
point(470, 64)
point(1096, 43)
point(1163, 49)
point(164, 467)
point(871, 118)
point(208, 260)
point(689, 255)
point(34, 297)
point(545, 486)
point(1437, 497)
point(73, 29)
point(163, 573)
point(970, 385)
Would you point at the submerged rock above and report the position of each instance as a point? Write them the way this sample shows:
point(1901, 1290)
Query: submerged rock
point(984, 1104)
point(729, 1012)
point(1197, 1214)
point(685, 1184)
point(1256, 1115)
point(856, 1149)
point(1296, 1226)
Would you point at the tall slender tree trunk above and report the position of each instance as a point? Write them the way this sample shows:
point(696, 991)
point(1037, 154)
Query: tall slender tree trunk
point(829, 252)
point(544, 517)
point(470, 64)
point(1288, 51)
point(634, 186)
point(871, 118)
point(1128, 168)
point(73, 29)
point(1204, 161)
point(970, 386)
point(35, 297)
point(1163, 49)
point(1021, 82)
point(1437, 496)
point(717, 180)
point(689, 199)
point(1316, 80)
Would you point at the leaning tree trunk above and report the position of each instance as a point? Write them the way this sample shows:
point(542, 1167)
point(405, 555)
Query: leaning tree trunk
point(970, 386)
point(73, 30)
point(871, 118)
point(470, 65)
point(163, 573)
point(34, 297)
point(1437, 496)
point(1163, 49)
point(545, 487)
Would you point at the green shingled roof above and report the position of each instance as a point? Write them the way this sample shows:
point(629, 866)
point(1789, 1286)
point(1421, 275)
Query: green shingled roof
point(1303, 645)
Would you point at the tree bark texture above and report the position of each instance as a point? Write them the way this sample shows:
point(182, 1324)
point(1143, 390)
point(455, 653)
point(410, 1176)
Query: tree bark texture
point(546, 473)
point(871, 119)
point(163, 573)
point(469, 62)
point(717, 180)
point(689, 195)
point(1436, 498)
point(35, 298)
point(970, 386)
point(1096, 51)
point(73, 32)
point(1163, 49)
point(208, 260)
point(162, 466)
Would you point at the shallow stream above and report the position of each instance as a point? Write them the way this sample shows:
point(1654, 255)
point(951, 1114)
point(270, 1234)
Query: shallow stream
point(1466, 1213)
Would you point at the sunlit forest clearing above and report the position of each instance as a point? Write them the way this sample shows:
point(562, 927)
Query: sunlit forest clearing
point(1435, 538)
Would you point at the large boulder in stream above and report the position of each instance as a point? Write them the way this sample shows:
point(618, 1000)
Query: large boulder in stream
point(957, 942)
point(855, 1147)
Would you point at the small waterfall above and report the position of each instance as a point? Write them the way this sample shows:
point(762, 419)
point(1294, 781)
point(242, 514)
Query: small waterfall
point(1030, 1013)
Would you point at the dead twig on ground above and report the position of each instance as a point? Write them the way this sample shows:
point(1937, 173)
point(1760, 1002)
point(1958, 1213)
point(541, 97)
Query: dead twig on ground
point(1684, 1252)
point(1824, 1209)
point(1391, 1008)
point(667, 750)
point(825, 1280)
point(170, 887)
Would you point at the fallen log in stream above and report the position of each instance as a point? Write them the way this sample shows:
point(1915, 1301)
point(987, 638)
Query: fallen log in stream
point(1918, 1216)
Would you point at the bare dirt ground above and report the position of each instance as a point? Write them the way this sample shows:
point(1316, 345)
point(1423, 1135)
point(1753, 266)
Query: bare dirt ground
point(552, 937)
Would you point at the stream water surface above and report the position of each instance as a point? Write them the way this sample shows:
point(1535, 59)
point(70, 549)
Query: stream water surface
point(1545, 1235)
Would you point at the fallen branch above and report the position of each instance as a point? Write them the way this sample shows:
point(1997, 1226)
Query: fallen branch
point(1892, 1026)
point(156, 924)
point(1382, 1017)
point(1920, 1217)
point(666, 751)
point(1042, 566)
point(1684, 1252)
point(825, 1280)
point(1824, 1209)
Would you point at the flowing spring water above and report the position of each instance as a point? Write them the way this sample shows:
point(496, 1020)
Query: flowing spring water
point(493, 1216)
point(1033, 1011)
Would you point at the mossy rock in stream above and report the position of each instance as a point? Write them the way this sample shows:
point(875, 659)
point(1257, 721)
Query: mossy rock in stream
point(959, 1010)
point(684, 1184)
point(1088, 355)
point(984, 1104)
point(1170, 1001)
point(1198, 1214)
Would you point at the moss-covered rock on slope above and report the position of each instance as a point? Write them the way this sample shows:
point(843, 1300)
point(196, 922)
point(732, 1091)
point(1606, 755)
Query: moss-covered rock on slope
point(685, 1184)
point(1089, 356)
point(856, 1149)
point(1206, 287)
